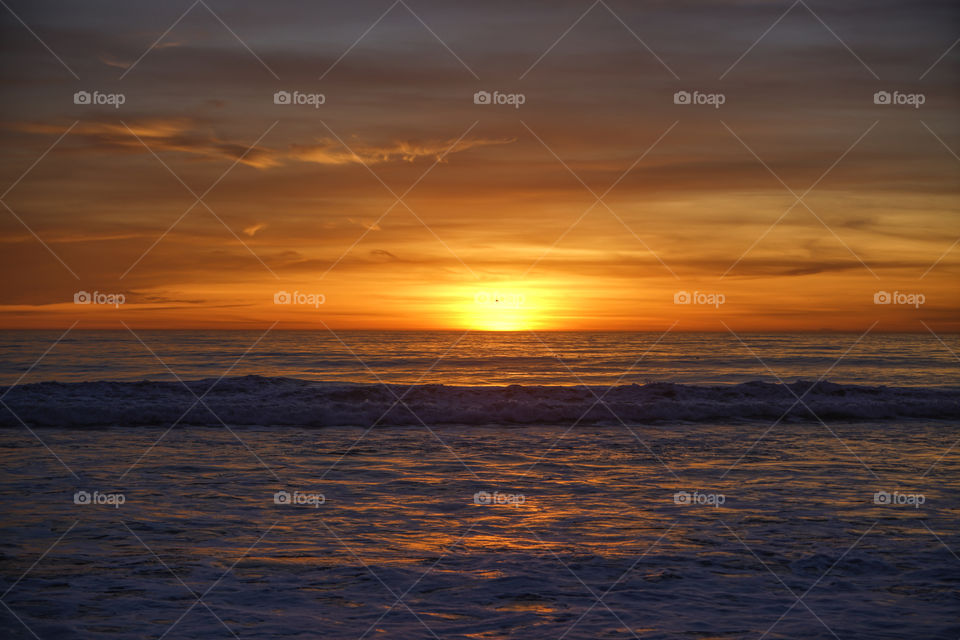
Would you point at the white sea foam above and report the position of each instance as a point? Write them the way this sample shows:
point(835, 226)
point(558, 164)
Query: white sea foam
point(255, 400)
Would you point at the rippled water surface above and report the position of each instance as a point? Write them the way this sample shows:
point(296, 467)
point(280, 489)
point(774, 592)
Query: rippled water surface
point(553, 358)
point(589, 543)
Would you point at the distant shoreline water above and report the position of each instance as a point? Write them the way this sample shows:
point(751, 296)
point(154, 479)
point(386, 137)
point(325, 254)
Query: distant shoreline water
point(481, 358)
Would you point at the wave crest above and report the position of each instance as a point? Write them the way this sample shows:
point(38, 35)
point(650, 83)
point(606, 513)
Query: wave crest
point(255, 400)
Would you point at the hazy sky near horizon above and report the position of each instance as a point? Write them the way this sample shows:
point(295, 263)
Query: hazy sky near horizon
point(592, 205)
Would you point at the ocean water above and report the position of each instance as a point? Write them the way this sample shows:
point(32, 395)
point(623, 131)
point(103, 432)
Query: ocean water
point(483, 358)
point(402, 485)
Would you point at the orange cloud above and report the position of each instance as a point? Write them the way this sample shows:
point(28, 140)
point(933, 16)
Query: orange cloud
point(184, 135)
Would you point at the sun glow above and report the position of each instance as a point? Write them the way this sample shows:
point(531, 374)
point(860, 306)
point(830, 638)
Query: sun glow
point(497, 310)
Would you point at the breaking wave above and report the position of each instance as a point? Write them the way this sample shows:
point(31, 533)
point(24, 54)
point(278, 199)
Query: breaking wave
point(256, 400)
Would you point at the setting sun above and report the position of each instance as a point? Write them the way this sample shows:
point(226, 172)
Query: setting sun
point(500, 309)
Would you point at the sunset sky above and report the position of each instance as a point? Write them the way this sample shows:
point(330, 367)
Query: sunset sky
point(502, 227)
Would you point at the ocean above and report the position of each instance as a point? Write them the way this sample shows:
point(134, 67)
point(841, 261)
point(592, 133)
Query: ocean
point(482, 485)
point(483, 358)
